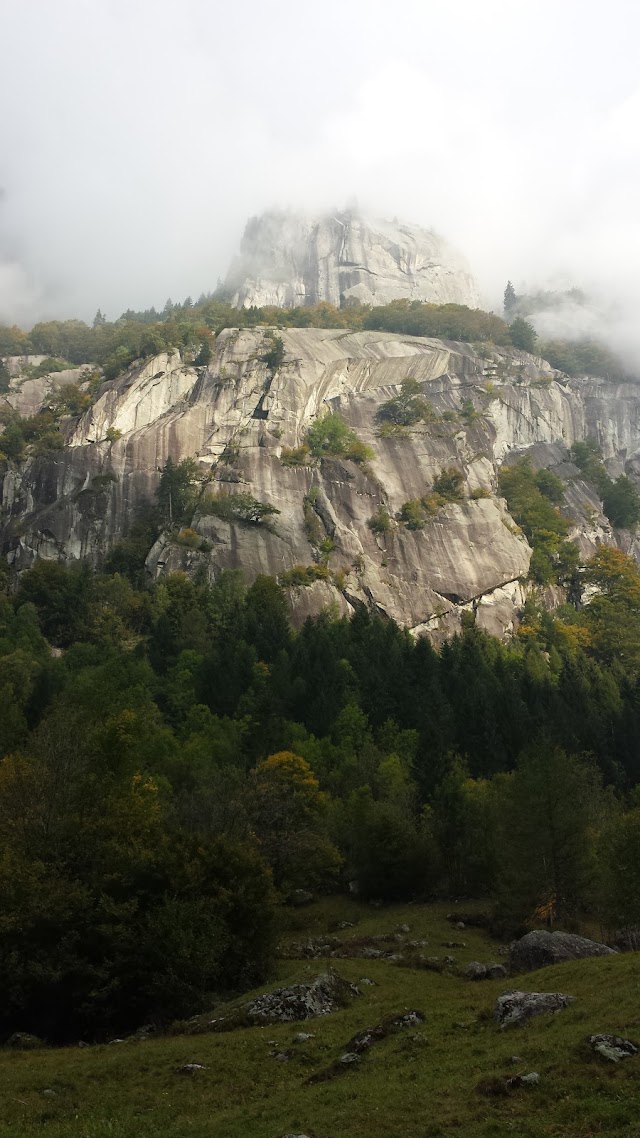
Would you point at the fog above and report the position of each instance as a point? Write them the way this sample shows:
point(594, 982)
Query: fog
point(137, 136)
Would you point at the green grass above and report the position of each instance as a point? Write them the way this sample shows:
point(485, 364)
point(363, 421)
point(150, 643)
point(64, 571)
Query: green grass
point(417, 1084)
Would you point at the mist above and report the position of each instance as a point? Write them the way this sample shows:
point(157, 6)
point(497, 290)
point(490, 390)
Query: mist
point(139, 136)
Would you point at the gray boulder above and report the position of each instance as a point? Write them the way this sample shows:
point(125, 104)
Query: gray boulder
point(539, 948)
point(627, 940)
point(514, 1008)
point(613, 1047)
point(475, 971)
point(496, 971)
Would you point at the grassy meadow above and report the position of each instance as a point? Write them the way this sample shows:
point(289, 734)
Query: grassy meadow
point(419, 1083)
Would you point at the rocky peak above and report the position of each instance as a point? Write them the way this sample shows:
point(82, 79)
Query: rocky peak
point(288, 259)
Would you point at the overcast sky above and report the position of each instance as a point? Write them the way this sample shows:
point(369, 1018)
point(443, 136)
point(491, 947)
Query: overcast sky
point(137, 136)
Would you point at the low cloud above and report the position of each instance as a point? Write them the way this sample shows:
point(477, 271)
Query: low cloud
point(140, 141)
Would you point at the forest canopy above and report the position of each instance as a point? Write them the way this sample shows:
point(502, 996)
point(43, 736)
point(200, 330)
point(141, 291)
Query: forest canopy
point(176, 760)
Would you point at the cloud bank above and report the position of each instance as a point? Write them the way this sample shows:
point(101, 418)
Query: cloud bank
point(141, 135)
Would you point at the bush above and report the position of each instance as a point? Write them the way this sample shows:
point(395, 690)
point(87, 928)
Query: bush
point(188, 537)
point(407, 408)
point(412, 514)
point(468, 413)
point(241, 507)
point(330, 435)
point(274, 355)
point(448, 485)
point(304, 575)
point(295, 456)
point(380, 522)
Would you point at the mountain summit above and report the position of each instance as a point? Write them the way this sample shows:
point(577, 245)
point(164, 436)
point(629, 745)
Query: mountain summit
point(288, 259)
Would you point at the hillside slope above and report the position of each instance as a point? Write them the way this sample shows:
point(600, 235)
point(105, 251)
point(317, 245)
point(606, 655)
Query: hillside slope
point(425, 1081)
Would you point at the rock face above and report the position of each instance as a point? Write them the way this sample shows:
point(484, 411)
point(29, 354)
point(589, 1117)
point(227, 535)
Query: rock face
point(514, 1008)
point(236, 418)
point(287, 260)
point(540, 948)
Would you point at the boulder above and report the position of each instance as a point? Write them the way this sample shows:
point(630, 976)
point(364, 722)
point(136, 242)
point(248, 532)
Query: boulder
point(539, 948)
point(627, 939)
point(496, 971)
point(514, 1008)
point(475, 971)
point(613, 1047)
point(301, 1001)
point(300, 897)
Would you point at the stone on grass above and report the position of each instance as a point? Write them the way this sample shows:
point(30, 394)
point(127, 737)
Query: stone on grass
point(514, 1008)
point(539, 948)
point(613, 1047)
point(496, 971)
point(23, 1041)
point(190, 1068)
point(475, 971)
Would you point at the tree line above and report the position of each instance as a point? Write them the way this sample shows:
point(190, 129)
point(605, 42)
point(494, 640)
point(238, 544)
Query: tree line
point(191, 328)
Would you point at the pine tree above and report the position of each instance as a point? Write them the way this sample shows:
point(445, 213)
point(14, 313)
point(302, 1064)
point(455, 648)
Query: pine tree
point(510, 299)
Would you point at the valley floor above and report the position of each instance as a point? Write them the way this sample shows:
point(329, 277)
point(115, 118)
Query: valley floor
point(419, 1083)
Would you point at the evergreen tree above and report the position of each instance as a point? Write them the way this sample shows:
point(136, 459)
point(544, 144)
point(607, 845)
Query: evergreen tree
point(510, 300)
point(523, 335)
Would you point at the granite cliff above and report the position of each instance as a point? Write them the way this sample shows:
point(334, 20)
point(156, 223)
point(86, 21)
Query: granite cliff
point(287, 259)
point(238, 417)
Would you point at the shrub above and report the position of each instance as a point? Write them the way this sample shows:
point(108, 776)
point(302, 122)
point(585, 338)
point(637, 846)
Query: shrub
point(274, 355)
point(188, 537)
point(304, 575)
point(330, 435)
point(241, 507)
point(479, 492)
point(295, 456)
point(407, 408)
point(448, 485)
point(412, 514)
point(380, 522)
point(392, 431)
point(468, 413)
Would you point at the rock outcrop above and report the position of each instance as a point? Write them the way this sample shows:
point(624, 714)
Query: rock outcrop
point(238, 419)
point(540, 948)
point(287, 259)
point(287, 1005)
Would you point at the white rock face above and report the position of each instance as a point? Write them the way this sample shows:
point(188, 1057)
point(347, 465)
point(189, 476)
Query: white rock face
point(287, 260)
point(470, 558)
